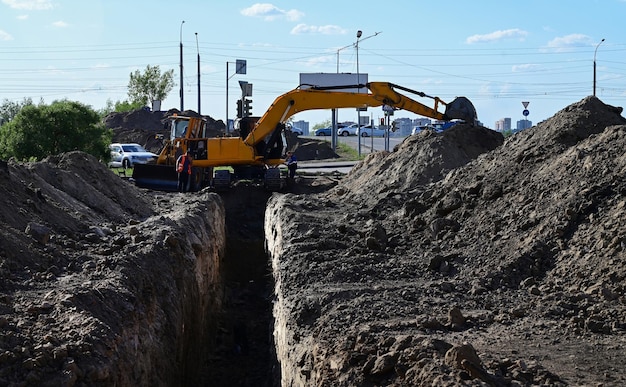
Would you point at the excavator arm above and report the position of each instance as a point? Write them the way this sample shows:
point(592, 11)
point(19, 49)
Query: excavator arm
point(380, 93)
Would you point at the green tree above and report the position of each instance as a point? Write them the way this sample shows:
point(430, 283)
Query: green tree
point(119, 107)
point(9, 109)
point(44, 130)
point(324, 124)
point(150, 86)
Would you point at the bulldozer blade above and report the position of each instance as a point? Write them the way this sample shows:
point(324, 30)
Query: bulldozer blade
point(463, 109)
point(156, 177)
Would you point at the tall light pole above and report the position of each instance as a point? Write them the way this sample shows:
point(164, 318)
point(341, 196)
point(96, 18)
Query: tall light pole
point(358, 81)
point(181, 67)
point(594, 67)
point(198, 49)
point(240, 68)
point(359, 33)
point(342, 48)
point(335, 112)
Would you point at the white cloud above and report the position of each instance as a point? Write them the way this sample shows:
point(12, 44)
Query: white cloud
point(513, 33)
point(524, 67)
point(270, 12)
point(323, 30)
point(30, 5)
point(22, 17)
point(60, 24)
point(563, 43)
point(5, 36)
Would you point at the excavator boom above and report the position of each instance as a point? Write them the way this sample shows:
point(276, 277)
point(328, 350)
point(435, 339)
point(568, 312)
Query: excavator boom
point(381, 93)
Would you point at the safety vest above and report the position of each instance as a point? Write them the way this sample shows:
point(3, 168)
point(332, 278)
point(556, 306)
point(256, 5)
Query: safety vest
point(181, 165)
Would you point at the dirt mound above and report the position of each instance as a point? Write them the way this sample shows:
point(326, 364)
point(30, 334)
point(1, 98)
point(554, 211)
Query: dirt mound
point(141, 126)
point(92, 274)
point(309, 149)
point(518, 253)
point(421, 159)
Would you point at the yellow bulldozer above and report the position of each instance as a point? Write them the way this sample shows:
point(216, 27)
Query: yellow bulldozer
point(259, 149)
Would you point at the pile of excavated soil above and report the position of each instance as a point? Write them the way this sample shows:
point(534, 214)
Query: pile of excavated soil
point(103, 283)
point(455, 260)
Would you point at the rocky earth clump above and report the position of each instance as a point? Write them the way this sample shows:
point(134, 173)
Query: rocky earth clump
point(455, 260)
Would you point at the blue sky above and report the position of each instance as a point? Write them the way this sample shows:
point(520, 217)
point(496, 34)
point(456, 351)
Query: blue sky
point(496, 53)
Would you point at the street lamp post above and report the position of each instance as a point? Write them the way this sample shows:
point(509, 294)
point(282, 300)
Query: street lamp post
point(181, 67)
point(198, 49)
point(335, 112)
point(358, 81)
point(240, 68)
point(594, 67)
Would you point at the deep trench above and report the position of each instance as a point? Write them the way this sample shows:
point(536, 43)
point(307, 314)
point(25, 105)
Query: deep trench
point(241, 352)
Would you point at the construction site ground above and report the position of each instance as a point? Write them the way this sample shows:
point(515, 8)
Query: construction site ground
point(459, 258)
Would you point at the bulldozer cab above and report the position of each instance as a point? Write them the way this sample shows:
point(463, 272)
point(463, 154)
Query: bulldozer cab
point(186, 127)
point(178, 128)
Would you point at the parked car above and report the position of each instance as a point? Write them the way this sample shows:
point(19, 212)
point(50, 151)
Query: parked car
point(440, 127)
point(296, 131)
point(367, 131)
point(418, 129)
point(323, 131)
point(347, 130)
point(127, 155)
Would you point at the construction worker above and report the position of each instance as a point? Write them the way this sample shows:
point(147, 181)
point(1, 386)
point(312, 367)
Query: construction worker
point(183, 167)
point(292, 165)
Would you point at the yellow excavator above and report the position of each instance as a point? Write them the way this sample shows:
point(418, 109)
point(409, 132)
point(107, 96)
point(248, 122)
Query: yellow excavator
point(258, 150)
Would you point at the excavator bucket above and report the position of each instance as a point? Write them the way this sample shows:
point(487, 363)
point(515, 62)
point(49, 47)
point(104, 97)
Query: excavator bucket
point(463, 109)
point(156, 177)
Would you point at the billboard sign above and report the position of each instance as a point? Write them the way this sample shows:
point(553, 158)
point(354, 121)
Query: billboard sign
point(308, 80)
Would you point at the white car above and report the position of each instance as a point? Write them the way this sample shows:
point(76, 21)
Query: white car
point(418, 129)
point(127, 155)
point(367, 131)
point(346, 131)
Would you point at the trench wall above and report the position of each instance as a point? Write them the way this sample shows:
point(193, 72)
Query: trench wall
point(294, 342)
point(177, 291)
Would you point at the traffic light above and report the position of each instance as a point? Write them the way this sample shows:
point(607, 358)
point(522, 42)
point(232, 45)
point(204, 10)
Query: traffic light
point(247, 107)
point(239, 109)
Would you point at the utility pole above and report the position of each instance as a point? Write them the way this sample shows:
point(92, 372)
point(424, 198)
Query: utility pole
point(594, 67)
point(198, 49)
point(182, 108)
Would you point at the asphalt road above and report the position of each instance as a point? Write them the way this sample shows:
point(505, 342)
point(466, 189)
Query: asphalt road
point(368, 144)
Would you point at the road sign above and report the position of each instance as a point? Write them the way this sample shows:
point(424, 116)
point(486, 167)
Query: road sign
point(246, 88)
point(240, 66)
point(525, 104)
point(525, 112)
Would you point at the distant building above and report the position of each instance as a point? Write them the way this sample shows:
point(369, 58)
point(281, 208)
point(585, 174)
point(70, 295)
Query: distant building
point(503, 124)
point(523, 124)
point(303, 125)
point(404, 126)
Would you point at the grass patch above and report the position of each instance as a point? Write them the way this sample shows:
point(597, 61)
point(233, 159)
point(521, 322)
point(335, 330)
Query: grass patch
point(127, 172)
point(346, 152)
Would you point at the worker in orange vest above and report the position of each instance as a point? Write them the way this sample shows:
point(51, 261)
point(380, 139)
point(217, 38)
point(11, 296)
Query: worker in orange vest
point(183, 167)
